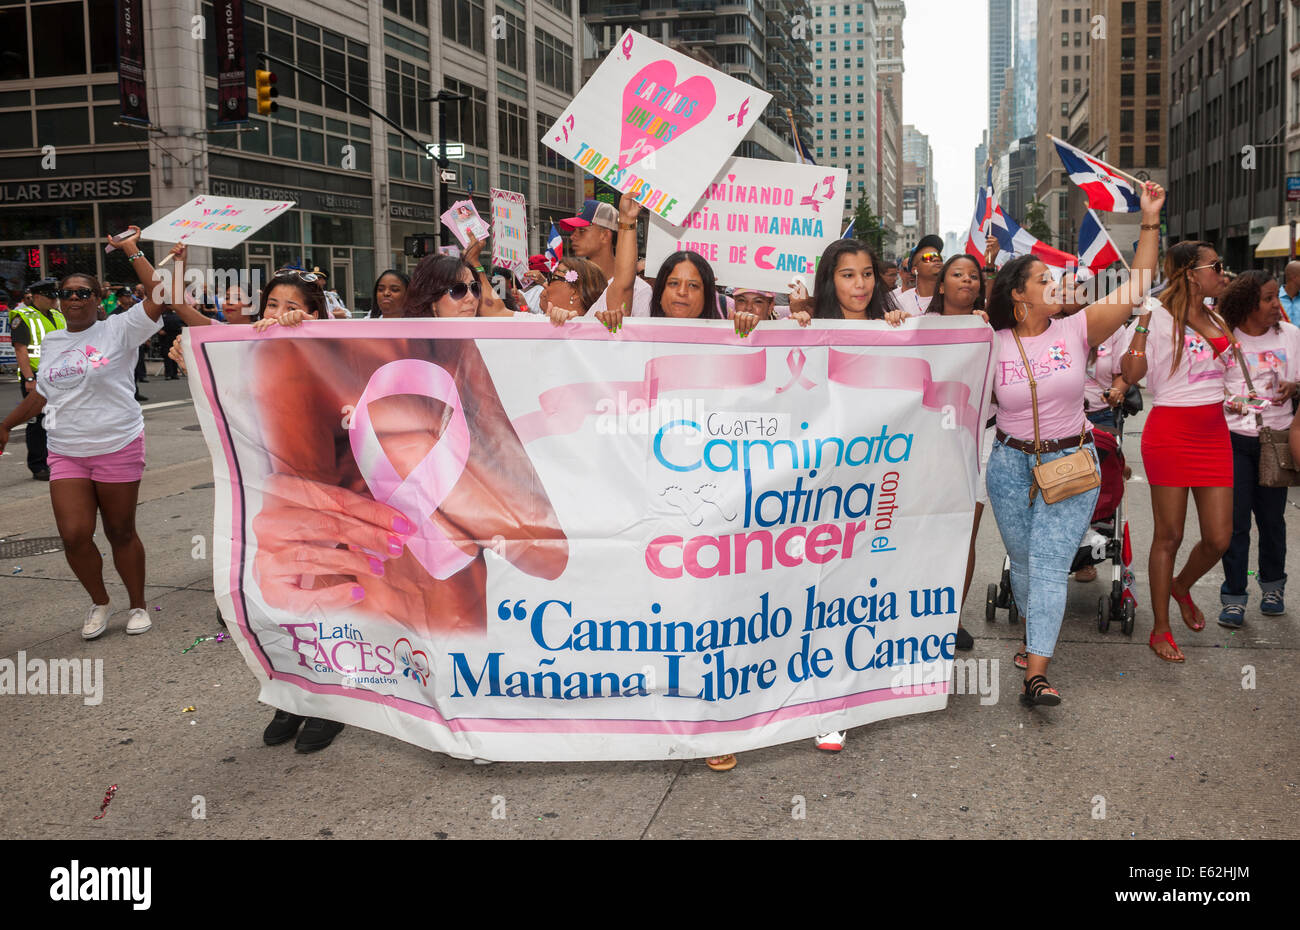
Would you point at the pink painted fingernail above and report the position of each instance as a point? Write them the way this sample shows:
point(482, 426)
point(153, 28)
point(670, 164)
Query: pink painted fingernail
point(403, 526)
point(394, 545)
point(377, 567)
point(358, 592)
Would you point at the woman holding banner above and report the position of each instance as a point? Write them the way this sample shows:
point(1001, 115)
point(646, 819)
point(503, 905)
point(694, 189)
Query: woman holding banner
point(1040, 420)
point(96, 433)
point(389, 300)
point(451, 286)
point(1185, 441)
point(959, 291)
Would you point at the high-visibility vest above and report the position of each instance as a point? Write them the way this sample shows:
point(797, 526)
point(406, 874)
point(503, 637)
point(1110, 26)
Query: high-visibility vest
point(37, 327)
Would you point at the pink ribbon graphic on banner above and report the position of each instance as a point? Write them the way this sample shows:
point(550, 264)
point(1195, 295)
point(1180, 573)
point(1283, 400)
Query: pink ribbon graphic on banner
point(564, 409)
point(422, 492)
point(905, 374)
point(795, 362)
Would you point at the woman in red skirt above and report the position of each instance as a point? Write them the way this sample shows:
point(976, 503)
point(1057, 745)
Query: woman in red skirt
point(1185, 444)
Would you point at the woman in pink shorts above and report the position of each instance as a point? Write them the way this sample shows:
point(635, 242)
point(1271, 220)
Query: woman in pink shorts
point(96, 434)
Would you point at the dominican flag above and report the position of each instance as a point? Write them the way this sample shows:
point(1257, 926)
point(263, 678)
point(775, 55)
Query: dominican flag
point(554, 248)
point(1014, 242)
point(1106, 188)
point(981, 226)
point(848, 233)
point(1097, 250)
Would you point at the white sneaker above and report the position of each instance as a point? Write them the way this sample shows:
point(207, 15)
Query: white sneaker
point(96, 622)
point(830, 742)
point(139, 621)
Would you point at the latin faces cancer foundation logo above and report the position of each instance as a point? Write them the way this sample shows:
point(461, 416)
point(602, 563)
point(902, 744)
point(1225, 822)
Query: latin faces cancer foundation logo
point(67, 370)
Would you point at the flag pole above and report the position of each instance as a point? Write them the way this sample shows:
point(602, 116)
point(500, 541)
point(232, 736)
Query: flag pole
point(1122, 174)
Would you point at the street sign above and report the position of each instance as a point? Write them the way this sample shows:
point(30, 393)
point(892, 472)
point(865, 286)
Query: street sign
point(448, 176)
point(454, 149)
point(1293, 188)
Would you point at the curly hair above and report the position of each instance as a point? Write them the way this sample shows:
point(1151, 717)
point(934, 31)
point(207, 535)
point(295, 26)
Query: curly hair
point(1242, 298)
point(591, 281)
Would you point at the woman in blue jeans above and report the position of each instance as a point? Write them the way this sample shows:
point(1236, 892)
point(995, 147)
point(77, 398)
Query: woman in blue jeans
point(1041, 538)
point(1270, 348)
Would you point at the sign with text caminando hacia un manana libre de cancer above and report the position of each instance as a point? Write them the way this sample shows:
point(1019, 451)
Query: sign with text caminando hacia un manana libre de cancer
point(655, 123)
point(669, 543)
point(759, 223)
point(509, 231)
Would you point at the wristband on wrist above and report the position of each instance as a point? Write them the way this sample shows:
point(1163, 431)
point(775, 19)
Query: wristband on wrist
point(1141, 330)
point(627, 226)
point(1136, 354)
point(1154, 226)
point(478, 269)
point(131, 258)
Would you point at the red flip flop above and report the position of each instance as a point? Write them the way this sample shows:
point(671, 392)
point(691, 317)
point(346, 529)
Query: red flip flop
point(1186, 601)
point(1169, 638)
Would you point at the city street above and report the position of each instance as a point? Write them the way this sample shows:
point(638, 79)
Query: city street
point(1139, 749)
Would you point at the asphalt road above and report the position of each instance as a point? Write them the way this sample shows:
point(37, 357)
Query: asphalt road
point(1140, 749)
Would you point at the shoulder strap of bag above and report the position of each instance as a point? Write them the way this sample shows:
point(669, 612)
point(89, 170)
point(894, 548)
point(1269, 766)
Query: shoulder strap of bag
point(1245, 371)
point(1033, 394)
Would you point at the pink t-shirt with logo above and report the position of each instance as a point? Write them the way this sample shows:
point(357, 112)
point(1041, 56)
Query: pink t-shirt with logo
point(87, 380)
point(1198, 381)
point(1059, 357)
point(1272, 358)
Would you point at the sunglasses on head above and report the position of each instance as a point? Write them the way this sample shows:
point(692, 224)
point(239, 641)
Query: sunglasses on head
point(1217, 266)
point(81, 293)
point(458, 291)
point(305, 276)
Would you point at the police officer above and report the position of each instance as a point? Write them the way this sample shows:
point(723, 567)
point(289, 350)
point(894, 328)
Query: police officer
point(31, 323)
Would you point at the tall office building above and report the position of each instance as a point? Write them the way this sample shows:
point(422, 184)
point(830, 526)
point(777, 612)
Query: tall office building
point(1025, 63)
point(1292, 43)
point(360, 188)
point(1001, 57)
point(920, 203)
point(751, 40)
point(1226, 89)
point(890, 16)
point(1064, 63)
point(889, 171)
point(844, 95)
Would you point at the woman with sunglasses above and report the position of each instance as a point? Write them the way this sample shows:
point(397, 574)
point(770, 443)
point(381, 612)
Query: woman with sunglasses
point(925, 263)
point(448, 286)
point(1039, 362)
point(1179, 344)
point(571, 290)
point(959, 291)
point(389, 300)
point(96, 433)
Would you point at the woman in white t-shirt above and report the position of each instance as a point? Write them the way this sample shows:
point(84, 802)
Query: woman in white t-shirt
point(1185, 444)
point(1270, 349)
point(96, 433)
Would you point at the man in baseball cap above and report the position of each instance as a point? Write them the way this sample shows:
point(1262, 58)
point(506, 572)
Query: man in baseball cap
point(924, 263)
point(592, 237)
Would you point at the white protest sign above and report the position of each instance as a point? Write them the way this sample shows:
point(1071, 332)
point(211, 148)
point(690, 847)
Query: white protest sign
point(218, 222)
point(656, 124)
point(759, 223)
point(509, 231)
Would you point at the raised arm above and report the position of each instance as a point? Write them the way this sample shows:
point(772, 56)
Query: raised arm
point(488, 304)
point(143, 269)
point(619, 294)
point(1108, 314)
point(188, 312)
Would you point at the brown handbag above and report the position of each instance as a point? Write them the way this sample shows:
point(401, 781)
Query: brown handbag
point(1277, 467)
point(1068, 476)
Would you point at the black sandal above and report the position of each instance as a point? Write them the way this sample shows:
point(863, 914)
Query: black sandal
point(1021, 659)
point(1039, 691)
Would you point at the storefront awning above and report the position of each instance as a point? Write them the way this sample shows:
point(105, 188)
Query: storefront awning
point(1275, 243)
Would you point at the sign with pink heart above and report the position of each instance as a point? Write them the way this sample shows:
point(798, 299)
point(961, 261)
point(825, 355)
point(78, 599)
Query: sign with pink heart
point(656, 124)
point(760, 223)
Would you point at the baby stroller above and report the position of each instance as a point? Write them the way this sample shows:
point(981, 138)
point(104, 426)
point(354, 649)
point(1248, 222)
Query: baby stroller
point(1106, 540)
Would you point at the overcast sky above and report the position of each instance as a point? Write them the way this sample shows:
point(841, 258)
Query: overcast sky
point(945, 94)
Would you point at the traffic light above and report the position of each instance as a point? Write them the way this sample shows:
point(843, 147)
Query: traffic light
point(266, 92)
